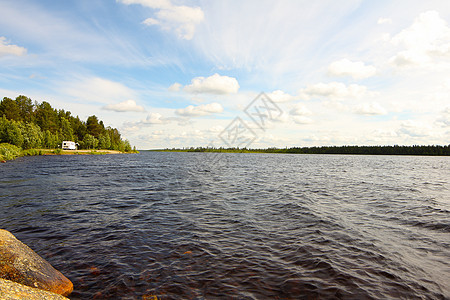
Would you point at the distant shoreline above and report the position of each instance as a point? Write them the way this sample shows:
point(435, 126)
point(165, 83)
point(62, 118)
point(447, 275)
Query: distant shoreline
point(416, 150)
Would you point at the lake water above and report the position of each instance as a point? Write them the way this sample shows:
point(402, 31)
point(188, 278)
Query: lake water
point(244, 226)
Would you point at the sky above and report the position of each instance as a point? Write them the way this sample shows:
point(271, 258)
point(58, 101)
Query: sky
point(188, 73)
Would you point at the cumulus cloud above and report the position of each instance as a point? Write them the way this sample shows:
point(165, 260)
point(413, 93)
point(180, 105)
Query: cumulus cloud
point(280, 96)
point(7, 49)
point(215, 84)
point(428, 37)
point(333, 90)
point(372, 109)
point(128, 105)
point(355, 69)
point(175, 87)
point(154, 118)
point(300, 110)
point(178, 18)
point(200, 110)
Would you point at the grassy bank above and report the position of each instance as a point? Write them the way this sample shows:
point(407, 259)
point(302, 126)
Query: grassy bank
point(10, 152)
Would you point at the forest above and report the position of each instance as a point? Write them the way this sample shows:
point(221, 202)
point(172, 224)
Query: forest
point(30, 125)
point(432, 150)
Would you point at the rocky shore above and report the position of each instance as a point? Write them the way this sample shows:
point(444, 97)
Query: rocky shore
point(26, 275)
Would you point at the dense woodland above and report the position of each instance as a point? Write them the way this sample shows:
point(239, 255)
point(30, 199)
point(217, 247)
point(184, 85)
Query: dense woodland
point(366, 150)
point(38, 125)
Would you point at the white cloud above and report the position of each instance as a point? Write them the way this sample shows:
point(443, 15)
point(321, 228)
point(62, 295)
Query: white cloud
point(355, 69)
point(384, 21)
point(302, 120)
point(415, 129)
point(128, 105)
point(372, 108)
point(444, 119)
point(427, 38)
point(96, 89)
point(151, 119)
point(280, 96)
point(178, 18)
point(300, 110)
point(175, 87)
point(200, 110)
point(215, 84)
point(333, 90)
point(7, 49)
point(154, 118)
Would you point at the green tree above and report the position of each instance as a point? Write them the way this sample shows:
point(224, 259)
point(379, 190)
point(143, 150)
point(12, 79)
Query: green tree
point(89, 142)
point(66, 130)
point(94, 127)
point(26, 108)
point(104, 142)
point(11, 133)
point(50, 140)
point(46, 117)
point(32, 135)
point(9, 108)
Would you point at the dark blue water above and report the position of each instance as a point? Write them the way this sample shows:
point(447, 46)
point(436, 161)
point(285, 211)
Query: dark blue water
point(244, 226)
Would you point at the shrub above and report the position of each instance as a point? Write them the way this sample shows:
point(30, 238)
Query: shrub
point(8, 151)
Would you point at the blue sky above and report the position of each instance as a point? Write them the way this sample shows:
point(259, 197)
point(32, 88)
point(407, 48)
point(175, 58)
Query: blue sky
point(172, 73)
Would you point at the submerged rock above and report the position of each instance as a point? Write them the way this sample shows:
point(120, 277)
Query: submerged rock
point(10, 290)
point(20, 264)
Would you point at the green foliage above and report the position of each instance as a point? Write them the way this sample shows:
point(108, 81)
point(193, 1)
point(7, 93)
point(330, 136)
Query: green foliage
point(104, 141)
point(94, 127)
point(89, 142)
point(32, 135)
point(8, 151)
point(29, 125)
point(432, 150)
point(31, 152)
point(10, 132)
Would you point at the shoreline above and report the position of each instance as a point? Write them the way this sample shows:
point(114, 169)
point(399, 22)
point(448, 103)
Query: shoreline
point(79, 152)
point(11, 152)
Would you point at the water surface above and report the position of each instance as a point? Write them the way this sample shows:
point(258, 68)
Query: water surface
point(249, 226)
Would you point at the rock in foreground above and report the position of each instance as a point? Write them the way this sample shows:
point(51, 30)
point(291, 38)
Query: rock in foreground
point(20, 264)
point(12, 291)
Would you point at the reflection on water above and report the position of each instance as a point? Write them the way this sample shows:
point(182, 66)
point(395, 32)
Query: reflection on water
point(250, 226)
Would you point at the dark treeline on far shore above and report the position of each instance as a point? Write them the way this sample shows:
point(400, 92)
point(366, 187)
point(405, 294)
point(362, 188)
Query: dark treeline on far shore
point(29, 125)
point(364, 150)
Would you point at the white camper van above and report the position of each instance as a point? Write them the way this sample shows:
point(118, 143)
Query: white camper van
point(68, 145)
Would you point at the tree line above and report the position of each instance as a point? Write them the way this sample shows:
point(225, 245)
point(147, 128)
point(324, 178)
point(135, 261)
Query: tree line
point(29, 124)
point(433, 150)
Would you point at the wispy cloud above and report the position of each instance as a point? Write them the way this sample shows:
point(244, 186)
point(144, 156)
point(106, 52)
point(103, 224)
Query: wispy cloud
point(180, 19)
point(9, 49)
point(97, 90)
point(372, 108)
point(335, 90)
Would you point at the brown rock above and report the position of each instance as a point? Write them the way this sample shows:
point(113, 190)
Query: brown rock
point(20, 264)
point(10, 290)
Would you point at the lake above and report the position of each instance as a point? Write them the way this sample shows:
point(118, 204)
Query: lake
point(232, 225)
